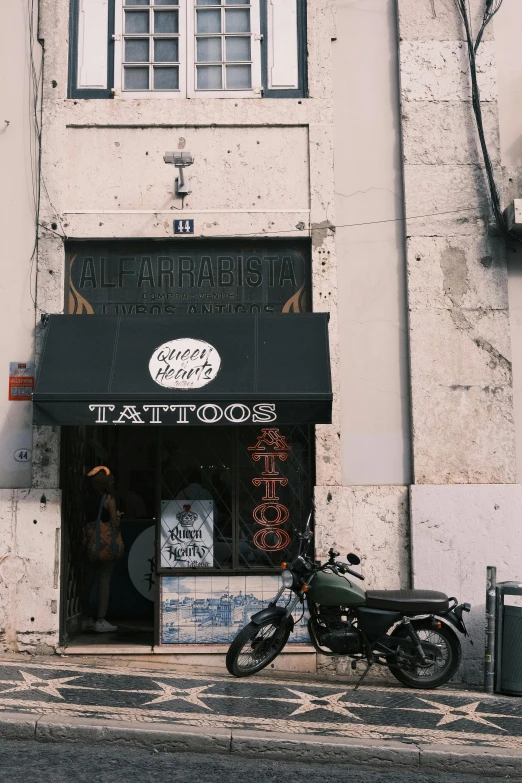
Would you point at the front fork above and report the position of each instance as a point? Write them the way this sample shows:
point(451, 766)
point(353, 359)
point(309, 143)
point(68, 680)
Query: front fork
point(293, 603)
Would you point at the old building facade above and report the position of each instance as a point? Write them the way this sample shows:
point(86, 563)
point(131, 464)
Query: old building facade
point(335, 169)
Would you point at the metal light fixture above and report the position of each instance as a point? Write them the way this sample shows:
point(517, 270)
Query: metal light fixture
point(180, 160)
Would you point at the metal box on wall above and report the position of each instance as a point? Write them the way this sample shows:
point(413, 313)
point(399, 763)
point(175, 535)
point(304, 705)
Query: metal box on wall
point(508, 654)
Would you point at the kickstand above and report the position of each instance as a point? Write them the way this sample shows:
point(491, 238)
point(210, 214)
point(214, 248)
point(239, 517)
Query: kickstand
point(363, 675)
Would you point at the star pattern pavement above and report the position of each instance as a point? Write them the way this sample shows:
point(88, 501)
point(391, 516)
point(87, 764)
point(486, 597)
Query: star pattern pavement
point(309, 702)
point(30, 682)
point(171, 693)
point(268, 704)
point(450, 714)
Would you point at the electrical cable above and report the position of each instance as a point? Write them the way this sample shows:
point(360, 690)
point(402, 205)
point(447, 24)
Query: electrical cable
point(492, 7)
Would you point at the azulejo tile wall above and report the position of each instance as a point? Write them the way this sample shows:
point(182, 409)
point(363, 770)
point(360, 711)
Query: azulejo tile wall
point(212, 609)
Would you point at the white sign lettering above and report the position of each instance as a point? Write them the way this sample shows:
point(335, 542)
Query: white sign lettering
point(207, 413)
point(184, 364)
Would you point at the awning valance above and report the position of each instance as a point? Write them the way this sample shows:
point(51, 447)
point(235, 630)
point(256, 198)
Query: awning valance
point(197, 370)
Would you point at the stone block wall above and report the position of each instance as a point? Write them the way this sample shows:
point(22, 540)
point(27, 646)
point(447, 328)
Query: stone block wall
point(30, 543)
point(462, 406)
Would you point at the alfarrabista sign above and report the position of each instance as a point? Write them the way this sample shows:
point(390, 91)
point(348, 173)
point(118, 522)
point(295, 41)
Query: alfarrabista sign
point(187, 276)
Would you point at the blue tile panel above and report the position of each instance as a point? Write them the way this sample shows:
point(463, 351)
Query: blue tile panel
point(212, 609)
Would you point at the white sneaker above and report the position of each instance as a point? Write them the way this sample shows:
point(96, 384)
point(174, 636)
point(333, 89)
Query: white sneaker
point(102, 626)
point(88, 624)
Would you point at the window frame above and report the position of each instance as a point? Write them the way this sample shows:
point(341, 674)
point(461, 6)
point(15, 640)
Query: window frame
point(119, 52)
point(259, 36)
point(255, 37)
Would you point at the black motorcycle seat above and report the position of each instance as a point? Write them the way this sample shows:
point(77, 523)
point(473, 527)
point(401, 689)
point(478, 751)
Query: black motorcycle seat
point(408, 601)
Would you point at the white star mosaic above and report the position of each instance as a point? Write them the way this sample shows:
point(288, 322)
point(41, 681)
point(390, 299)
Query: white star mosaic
point(268, 704)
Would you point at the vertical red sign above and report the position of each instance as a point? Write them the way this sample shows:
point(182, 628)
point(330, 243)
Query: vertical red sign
point(271, 449)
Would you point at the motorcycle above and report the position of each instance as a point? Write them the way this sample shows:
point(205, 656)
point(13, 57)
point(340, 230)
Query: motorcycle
point(412, 632)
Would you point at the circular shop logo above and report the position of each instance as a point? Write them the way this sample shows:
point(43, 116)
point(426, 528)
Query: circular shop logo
point(184, 364)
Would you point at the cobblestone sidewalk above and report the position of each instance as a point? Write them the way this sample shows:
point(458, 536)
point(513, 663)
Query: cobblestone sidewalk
point(290, 706)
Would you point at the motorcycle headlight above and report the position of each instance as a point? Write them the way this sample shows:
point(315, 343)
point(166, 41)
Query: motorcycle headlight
point(287, 578)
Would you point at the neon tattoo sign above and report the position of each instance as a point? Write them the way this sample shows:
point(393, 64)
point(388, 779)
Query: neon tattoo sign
point(271, 449)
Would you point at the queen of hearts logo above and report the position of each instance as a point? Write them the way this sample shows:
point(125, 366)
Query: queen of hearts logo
point(184, 363)
point(187, 518)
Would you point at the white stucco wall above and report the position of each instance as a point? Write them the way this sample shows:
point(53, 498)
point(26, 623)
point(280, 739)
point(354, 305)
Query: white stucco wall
point(375, 436)
point(17, 232)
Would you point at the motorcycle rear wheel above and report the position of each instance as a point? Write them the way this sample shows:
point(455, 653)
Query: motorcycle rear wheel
point(442, 670)
point(255, 646)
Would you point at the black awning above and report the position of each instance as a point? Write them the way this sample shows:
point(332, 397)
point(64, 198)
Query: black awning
point(237, 369)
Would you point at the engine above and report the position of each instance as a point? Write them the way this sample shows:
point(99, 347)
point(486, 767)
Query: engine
point(339, 635)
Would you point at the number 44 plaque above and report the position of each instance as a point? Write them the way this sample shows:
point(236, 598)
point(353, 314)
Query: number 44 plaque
point(183, 226)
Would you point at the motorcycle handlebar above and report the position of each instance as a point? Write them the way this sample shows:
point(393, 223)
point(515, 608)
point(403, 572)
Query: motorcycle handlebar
point(344, 569)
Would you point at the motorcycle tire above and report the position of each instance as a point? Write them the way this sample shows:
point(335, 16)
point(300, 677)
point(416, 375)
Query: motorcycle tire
point(416, 676)
point(257, 638)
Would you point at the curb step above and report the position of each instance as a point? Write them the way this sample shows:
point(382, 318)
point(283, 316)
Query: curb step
point(484, 761)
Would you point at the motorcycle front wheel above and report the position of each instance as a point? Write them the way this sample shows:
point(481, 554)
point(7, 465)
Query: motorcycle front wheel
point(440, 668)
point(255, 646)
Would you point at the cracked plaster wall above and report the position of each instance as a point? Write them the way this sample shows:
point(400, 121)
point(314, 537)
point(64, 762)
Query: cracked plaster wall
point(456, 533)
point(460, 350)
point(29, 570)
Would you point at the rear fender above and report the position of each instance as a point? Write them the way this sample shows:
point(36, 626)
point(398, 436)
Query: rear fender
point(271, 613)
point(455, 619)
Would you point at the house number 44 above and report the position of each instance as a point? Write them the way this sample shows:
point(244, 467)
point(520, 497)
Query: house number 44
point(183, 226)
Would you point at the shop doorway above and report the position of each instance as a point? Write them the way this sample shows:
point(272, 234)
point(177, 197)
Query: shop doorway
point(252, 487)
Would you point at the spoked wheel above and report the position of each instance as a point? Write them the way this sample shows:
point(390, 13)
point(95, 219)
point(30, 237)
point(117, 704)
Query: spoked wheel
point(441, 665)
point(255, 646)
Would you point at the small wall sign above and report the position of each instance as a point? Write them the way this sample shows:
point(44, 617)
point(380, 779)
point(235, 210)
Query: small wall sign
point(22, 455)
point(184, 226)
point(21, 381)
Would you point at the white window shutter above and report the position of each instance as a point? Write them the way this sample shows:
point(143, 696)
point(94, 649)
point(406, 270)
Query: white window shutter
point(283, 68)
point(93, 31)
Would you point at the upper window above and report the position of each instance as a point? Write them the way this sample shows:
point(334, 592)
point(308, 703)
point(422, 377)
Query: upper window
point(187, 48)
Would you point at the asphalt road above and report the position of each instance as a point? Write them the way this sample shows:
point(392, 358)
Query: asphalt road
point(53, 763)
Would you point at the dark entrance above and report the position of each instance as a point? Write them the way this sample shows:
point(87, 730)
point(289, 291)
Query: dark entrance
point(253, 483)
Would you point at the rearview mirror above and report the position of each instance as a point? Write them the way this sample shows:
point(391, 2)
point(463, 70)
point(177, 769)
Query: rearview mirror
point(353, 559)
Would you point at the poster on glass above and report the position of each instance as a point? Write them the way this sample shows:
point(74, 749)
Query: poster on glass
point(187, 533)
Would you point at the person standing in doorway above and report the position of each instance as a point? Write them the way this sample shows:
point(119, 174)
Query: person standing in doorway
point(103, 545)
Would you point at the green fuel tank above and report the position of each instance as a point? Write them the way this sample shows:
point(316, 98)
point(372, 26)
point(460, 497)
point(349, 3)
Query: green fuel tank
point(332, 590)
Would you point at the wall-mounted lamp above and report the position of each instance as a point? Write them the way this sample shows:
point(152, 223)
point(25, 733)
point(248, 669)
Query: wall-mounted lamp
point(180, 160)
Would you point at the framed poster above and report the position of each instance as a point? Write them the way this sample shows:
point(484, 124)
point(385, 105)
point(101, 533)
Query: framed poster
point(187, 533)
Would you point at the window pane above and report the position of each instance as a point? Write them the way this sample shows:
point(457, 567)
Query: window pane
point(209, 77)
point(208, 50)
point(136, 50)
point(136, 21)
point(165, 21)
point(238, 77)
point(166, 50)
point(166, 2)
point(208, 2)
point(136, 2)
point(237, 21)
point(136, 78)
point(209, 21)
point(166, 79)
point(237, 49)
point(198, 469)
point(237, 2)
